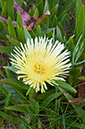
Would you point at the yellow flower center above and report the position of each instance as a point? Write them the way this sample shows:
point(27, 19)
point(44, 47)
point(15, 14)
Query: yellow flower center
point(39, 68)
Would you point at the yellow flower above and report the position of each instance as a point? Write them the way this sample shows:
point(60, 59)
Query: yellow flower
point(40, 62)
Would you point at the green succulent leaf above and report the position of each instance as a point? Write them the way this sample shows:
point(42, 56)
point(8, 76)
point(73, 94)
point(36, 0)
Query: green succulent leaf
point(20, 34)
point(65, 86)
point(4, 25)
point(4, 9)
point(27, 35)
point(71, 44)
point(36, 13)
point(33, 9)
point(54, 10)
point(78, 6)
point(21, 108)
point(13, 41)
point(40, 6)
point(55, 21)
point(11, 9)
point(46, 7)
point(63, 18)
point(14, 83)
point(10, 68)
point(35, 107)
point(38, 31)
point(81, 21)
point(59, 34)
point(19, 19)
point(11, 29)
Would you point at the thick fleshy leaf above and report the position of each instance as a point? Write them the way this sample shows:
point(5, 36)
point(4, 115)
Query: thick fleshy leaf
point(27, 35)
point(63, 18)
point(46, 7)
point(50, 98)
point(71, 44)
point(80, 22)
point(59, 34)
point(13, 41)
point(2, 22)
point(20, 33)
point(78, 6)
point(14, 83)
point(5, 9)
point(11, 9)
point(38, 31)
point(19, 19)
point(21, 108)
point(40, 6)
point(62, 30)
point(77, 52)
point(10, 68)
point(49, 34)
point(1, 2)
point(11, 29)
point(6, 21)
point(54, 10)
point(80, 50)
point(33, 9)
point(55, 21)
point(36, 13)
point(76, 49)
point(65, 86)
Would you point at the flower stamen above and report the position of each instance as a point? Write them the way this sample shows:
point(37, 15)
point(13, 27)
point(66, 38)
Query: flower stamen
point(39, 68)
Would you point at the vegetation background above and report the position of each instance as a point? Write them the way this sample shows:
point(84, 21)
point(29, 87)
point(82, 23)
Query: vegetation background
point(59, 107)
